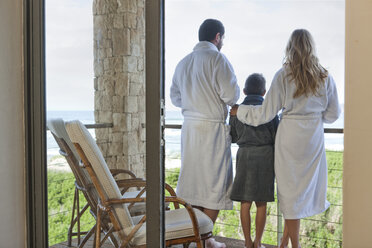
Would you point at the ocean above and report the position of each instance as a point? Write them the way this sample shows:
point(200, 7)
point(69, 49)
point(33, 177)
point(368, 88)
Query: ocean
point(86, 117)
point(333, 142)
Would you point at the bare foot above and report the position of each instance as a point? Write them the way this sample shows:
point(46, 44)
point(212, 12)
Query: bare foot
point(255, 245)
point(212, 243)
point(283, 244)
point(248, 244)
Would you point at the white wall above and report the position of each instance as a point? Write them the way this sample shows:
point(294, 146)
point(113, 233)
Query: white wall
point(357, 228)
point(12, 142)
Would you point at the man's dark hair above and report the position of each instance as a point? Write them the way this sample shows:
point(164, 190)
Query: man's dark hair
point(255, 84)
point(209, 29)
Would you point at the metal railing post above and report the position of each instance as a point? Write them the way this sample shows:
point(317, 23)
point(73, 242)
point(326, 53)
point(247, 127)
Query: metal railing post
point(279, 226)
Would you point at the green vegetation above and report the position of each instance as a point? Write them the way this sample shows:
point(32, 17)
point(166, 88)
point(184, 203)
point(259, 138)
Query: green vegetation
point(171, 176)
point(324, 230)
point(61, 190)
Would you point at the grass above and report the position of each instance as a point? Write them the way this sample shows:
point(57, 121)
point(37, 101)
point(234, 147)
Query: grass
point(61, 190)
point(323, 230)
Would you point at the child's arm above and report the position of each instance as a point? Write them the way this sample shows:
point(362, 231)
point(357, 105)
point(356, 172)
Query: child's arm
point(275, 125)
point(233, 133)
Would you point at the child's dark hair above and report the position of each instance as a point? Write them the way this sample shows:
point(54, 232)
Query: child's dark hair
point(255, 84)
point(209, 29)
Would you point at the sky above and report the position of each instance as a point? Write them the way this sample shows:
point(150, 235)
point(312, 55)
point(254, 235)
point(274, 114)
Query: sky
point(69, 55)
point(256, 33)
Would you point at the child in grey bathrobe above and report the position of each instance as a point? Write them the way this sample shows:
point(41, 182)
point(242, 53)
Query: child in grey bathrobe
point(254, 178)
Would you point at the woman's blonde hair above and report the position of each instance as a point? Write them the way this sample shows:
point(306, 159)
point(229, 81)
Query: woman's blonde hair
point(303, 65)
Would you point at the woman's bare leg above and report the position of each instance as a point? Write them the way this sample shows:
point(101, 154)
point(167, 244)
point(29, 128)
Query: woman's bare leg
point(294, 232)
point(212, 214)
point(285, 239)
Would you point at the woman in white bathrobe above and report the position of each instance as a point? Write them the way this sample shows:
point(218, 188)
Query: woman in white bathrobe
point(307, 96)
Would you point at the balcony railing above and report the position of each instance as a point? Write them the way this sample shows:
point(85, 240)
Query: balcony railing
point(228, 224)
point(329, 223)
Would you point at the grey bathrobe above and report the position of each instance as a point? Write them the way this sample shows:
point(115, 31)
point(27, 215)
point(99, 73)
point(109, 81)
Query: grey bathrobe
point(254, 179)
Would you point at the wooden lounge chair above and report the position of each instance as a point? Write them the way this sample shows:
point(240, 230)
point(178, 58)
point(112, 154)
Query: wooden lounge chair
point(182, 225)
point(84, 184)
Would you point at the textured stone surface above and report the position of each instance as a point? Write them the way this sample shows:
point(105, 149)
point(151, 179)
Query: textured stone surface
point(117, 103)
point(129, 64)
point(120, 41)
point(140, 64)
point(135, 89)
point(103, 133)
point(130, 20)
point(105, 116)
point(130, 104)
point(119, 69)
point(119, 21)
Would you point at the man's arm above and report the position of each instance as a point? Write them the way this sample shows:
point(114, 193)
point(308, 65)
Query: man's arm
point(175, 93)
point(226, 82)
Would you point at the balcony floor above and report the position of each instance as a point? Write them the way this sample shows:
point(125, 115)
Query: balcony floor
point(230, 243)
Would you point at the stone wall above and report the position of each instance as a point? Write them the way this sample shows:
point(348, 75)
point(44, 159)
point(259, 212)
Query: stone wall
point(119, 82)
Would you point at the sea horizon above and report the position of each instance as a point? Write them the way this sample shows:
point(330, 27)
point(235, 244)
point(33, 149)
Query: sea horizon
point(333, 142)
point(171, 116)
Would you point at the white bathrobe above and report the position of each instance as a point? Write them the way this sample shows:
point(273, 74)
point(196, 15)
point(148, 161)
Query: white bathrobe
point(300, 161)
point(203, 85)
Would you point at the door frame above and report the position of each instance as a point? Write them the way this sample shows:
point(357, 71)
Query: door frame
point(34, 119)
point(35, 122)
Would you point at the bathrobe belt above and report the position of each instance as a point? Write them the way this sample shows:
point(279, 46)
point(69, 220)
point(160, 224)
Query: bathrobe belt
point(301, 117)
point(204, 119)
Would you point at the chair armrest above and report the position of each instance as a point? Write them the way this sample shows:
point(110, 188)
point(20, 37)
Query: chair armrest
point(116, 172)
point(190, 211)
point(176, 200)
point(130, 183)
point(125, 184)
point(140, 183)
point(170, 189)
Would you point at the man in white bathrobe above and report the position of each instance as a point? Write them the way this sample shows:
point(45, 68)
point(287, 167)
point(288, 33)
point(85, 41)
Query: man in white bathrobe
point(204, 84)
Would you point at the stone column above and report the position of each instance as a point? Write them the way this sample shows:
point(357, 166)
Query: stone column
point(119, 81)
